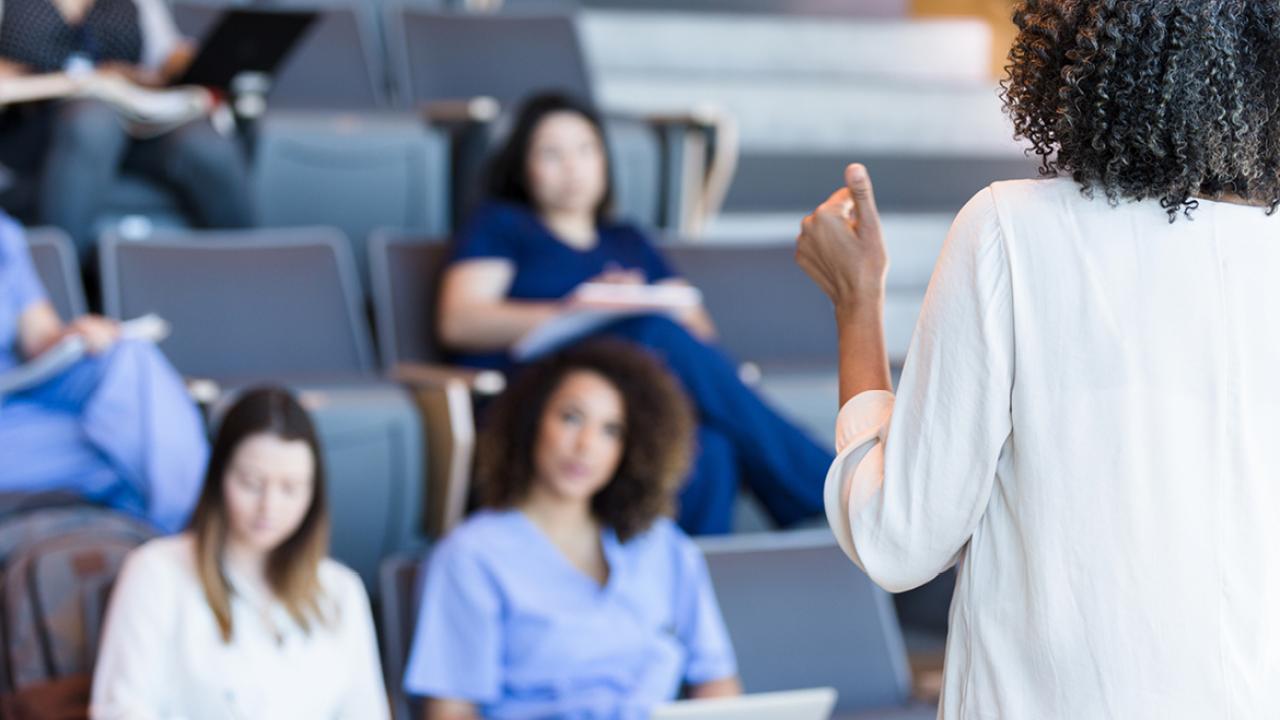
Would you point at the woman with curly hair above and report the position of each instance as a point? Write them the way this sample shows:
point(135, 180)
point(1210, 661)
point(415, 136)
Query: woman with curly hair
point(571, 594)
point(1084, 420)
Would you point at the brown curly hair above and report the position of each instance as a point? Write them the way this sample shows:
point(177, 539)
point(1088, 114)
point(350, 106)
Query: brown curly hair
point(1151, 99)
point(658, 435)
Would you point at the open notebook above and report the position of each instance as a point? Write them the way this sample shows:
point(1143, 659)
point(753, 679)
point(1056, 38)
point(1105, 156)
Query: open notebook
point(596, 305)
point(70, 350)
point(146, 112)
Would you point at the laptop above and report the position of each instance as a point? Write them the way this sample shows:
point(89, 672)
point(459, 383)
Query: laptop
point(800, 614)
point(812, 704)
point(242, 41)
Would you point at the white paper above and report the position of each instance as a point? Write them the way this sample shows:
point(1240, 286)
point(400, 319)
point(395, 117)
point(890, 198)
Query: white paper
point(70, 350)
point(595, 305)
point(146, 111)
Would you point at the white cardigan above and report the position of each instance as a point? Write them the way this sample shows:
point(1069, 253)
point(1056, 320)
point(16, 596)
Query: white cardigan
point(1087, 422)
point(162, 657)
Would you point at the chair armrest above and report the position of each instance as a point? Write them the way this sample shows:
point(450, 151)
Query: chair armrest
point(480, 109)
point(480, 382)
point(445, 395)
point(701, 150)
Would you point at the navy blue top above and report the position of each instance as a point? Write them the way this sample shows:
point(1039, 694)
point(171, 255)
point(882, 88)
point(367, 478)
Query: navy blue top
point(546, 267)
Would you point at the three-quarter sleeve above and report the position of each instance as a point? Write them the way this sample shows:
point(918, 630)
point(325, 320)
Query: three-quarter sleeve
point(367, 697)
point(914, 472)
point(699, 625)
point(133, 658)
point(457, 648)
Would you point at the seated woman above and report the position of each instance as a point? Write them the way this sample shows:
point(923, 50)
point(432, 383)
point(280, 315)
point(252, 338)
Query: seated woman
point(117, 427)
point(75, 149)
point(243, 615)
point(569, 594)
point(521, 258)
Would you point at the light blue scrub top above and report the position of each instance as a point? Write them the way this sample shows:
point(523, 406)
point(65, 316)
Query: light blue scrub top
point(509, 624)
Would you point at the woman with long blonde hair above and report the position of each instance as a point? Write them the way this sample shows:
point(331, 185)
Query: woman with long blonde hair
point(244, 615)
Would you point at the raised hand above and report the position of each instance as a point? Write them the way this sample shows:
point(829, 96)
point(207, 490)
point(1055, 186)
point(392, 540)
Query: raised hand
point(840, 245)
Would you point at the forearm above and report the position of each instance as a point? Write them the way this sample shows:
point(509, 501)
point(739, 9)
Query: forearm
point(864, 362)
point(39, 328)
point(494, 326)
point(10, 69)
point(698, 322)
point(725, 687)
point(437, 709)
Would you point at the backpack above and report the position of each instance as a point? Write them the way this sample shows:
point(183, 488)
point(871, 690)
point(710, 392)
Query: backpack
point(57, 567)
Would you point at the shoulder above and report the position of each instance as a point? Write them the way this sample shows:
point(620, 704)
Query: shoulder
point(12, 238)
point(160, 570)
point(1012, 200)
point(483, 537)
point(494, 228)
point(626, 232)
point(342, 585)
point(174, 556)
point(500, 213)
point(664, 539)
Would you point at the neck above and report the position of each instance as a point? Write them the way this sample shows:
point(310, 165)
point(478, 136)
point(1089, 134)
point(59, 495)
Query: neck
point(245, 561)
point(572, 227)
point(1233, 199)
point(559, 517)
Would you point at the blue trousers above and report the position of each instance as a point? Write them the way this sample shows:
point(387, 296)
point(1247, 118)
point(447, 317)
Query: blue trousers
point(118, 428)
point(740, 438)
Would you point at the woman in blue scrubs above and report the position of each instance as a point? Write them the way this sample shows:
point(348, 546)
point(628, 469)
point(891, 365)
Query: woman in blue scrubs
point(571, 594)
point(117, 427)
point(545, 232)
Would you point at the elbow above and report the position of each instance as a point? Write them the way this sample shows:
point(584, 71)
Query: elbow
point(451, 326)
point(896, 572)
point(448, 331)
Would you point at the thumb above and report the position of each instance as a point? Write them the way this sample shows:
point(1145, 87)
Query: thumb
point(858, 181)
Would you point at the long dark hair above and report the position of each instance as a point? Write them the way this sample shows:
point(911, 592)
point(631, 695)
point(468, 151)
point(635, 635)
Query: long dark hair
point(658, 436)
point(507, 177)
point(293, 567)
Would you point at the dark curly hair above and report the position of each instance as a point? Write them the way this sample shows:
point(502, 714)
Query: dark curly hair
point(658, 434)
point(1151, 99)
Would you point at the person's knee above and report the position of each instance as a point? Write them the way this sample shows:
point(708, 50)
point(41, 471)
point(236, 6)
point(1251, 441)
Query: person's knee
point(139, 353)
point(197, 153)
point(88, 127)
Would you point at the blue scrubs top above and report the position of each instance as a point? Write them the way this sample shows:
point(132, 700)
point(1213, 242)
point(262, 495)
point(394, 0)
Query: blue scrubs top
point(546, 267)
point(20, 288)
point(508, 623)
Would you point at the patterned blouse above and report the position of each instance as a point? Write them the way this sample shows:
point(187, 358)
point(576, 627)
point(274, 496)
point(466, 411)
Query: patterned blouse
point(34, 33)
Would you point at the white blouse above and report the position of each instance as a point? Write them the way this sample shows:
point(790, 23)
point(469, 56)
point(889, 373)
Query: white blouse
point(162, 657)
point(1086, 423)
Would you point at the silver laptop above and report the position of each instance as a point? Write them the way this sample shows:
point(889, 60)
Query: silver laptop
point(814, 704)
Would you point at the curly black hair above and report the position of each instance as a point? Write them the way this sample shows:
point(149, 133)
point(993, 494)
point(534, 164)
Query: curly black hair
point(1151, 99)
point(658, 434)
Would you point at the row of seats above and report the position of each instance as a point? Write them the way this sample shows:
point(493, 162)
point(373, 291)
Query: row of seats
point(386, 70)
point(240, 291)
point(841, 632)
